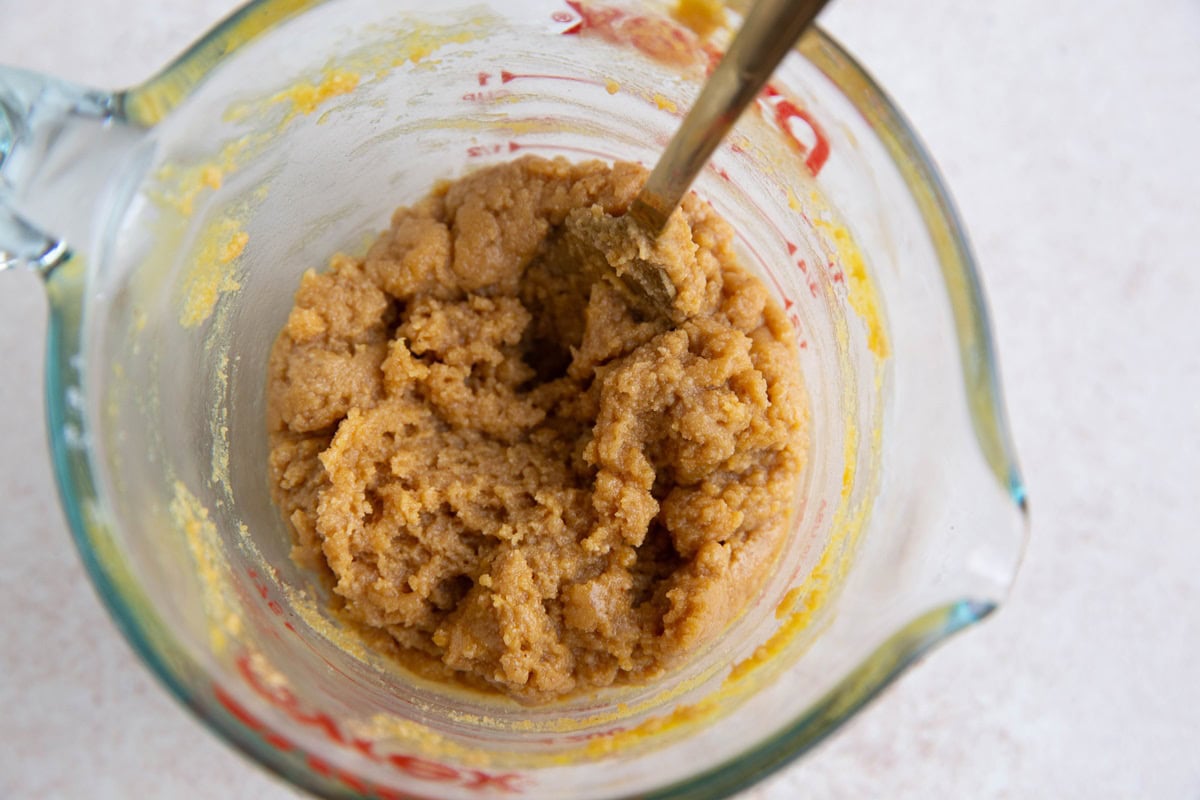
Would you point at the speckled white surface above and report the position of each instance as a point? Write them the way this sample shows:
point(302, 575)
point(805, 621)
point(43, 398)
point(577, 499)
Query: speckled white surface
point(1069, 133)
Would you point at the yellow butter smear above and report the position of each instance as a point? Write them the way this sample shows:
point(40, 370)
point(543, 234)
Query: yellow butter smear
point(211, 273)
point(702, 16)
point(305, 97)
point(204, 544)
point(218, 427)
point(149, 103)
point(801, 608)
point(182, 188)
point(860, 290)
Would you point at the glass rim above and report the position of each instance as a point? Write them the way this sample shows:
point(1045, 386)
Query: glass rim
point(151, 101)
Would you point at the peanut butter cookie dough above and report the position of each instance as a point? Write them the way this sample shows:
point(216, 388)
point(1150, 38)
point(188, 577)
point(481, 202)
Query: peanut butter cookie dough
point(506, 472)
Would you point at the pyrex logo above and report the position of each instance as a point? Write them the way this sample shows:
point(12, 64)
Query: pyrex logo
point(413, 767)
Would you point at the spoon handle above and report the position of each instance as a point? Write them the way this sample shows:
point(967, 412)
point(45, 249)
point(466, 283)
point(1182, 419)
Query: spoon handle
point(769, 31)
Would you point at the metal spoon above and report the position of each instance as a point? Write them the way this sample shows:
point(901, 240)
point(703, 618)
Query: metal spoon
point(767, 34)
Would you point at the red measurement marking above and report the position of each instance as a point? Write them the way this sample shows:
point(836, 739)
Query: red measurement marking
point(489, 96)
point(384, 793)
point(508, 77)
point(483, 78)
point(790, 118)
point(283, 745)
point(411, 766)
point(657, 37)
point(561, 16)
point(290, 627)
point(813, 288)
point(475, 151)
point(587, 737)
point(235, 708)
point(713, 57)
point(482, 781)
point(785, 113)
point(273, 605)
point(759, 259)
point(770, 220)
point(838, 277)
point(803, 344)
point(788, 303)
point(333, 667)
point(661, 39)
point(803, 265)
point(322, 768)
point(277, 741)
point(577, 737)
point(593, 17)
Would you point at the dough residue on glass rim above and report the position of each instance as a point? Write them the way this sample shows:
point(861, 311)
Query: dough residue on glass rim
point(509, 476)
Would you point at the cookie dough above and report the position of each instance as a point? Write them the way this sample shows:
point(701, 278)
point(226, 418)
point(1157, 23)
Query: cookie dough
point(509, 475)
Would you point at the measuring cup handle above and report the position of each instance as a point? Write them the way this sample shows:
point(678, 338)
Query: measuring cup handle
point(55, 139)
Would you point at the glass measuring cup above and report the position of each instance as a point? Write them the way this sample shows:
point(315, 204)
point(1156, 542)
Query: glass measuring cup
point(157, 422)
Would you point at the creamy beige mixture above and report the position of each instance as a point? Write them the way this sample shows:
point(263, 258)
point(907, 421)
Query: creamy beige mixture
point(509, 474)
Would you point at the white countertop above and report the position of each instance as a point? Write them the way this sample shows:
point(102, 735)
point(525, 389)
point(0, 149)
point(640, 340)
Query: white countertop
point(1069, 133)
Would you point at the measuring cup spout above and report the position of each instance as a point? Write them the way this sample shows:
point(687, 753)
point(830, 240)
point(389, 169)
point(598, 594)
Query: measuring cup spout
point(60, 144)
